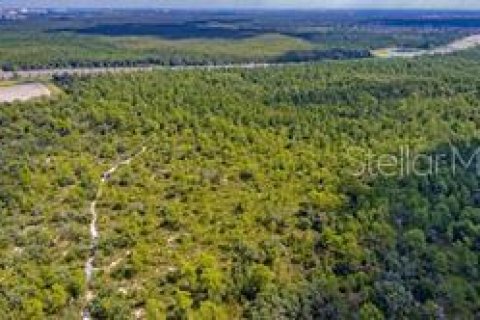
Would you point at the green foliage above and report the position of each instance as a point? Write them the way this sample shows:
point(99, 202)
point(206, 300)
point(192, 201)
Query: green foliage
point(244, 205)
point(370, 312)
point(155, 310)
point(33, 309)
point(209, 311)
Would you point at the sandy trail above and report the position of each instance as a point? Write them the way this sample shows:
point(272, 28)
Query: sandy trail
point(23, 92)
point(94, 234)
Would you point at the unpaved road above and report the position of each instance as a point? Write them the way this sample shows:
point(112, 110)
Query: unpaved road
point(48, 73)
point(23, 92)
point(457, 45)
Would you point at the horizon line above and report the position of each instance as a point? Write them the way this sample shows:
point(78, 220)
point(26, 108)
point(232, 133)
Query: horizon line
point(233, 8)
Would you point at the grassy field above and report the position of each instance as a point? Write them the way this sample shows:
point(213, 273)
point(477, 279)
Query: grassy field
point(45, 49)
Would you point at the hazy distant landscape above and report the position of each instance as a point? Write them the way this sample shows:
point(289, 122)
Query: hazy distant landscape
point(125, 38)
point(239, 164)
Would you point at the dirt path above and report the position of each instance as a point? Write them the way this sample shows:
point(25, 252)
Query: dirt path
point(94, 234)
point(457, 45)
point(23, 92)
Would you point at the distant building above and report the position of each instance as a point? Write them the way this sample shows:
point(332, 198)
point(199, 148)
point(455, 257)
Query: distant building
point(13, 14)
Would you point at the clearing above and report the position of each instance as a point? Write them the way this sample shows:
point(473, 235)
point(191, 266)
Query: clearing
point(23, 92)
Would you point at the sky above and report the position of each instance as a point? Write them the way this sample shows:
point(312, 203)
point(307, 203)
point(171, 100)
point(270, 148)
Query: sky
point(192, 4)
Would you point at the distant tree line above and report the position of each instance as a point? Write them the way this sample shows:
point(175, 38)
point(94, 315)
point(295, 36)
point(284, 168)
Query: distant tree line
point(180, 60)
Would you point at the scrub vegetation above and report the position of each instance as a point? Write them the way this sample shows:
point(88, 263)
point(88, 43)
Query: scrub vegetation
point(244, 204)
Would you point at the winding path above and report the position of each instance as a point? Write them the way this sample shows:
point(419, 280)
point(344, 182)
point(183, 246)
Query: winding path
point(94, 234)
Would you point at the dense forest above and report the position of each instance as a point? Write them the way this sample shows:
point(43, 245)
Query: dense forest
point(114, 38)
point(245, 203)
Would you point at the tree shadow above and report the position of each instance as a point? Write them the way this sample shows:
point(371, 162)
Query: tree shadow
point(211, 29)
